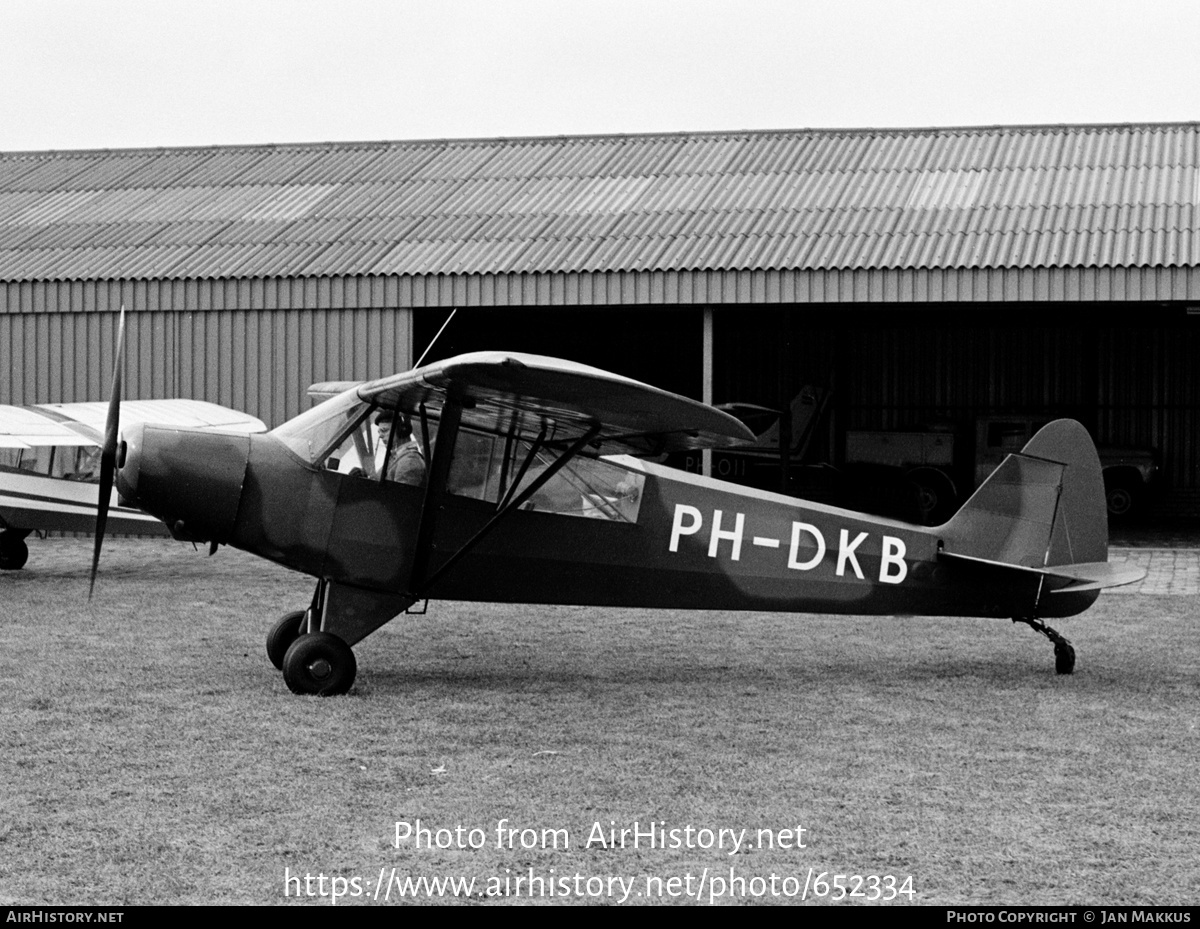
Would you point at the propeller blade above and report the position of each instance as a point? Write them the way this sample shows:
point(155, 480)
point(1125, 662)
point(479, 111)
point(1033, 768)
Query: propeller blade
point(108, 453)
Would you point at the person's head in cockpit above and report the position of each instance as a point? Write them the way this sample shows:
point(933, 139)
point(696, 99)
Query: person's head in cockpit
point(389, 421)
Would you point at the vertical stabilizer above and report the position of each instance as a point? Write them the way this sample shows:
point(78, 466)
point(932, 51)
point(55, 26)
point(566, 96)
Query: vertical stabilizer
point(1044, 506)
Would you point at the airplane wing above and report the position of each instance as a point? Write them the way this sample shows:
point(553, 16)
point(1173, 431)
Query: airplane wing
point(508, 392)
point(34, 502)
point(26, 427)
point(88, 418)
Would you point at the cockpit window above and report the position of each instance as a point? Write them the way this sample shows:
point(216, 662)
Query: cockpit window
point(338, 435)
point(590, 487)
point(486, 466)
point(74, 462)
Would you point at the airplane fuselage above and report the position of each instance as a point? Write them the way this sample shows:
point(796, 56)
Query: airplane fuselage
point(696, 543)
point(31, 501)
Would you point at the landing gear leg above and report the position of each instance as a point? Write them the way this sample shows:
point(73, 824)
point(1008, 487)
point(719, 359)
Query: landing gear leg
point(1064, 652)
point(313, 660)
point(291, 626)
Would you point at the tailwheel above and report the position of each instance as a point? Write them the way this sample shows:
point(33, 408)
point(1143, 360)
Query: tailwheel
point(285, 631)
point(1064, 657)
point(319, 663)
point(1064, 651)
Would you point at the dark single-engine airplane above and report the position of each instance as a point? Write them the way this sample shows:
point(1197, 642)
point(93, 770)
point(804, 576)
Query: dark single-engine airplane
point(533, 494)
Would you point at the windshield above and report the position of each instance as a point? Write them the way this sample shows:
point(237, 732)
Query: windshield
point(312, 435)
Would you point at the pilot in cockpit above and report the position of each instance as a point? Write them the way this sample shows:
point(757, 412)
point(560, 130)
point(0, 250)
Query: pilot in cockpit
point(406, 461)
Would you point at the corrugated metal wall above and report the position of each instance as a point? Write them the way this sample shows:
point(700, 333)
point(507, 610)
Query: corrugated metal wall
point(258, 361)
point(896, 376)
point(1150, 395)
point(744, 287)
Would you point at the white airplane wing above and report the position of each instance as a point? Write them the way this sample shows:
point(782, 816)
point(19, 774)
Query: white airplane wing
point(26, 427)
point(184, 414)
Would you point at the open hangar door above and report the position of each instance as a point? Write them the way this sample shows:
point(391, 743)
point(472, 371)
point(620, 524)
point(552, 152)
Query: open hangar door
point(964, 378)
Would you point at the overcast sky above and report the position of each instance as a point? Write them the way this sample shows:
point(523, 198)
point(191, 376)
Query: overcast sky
point(131, 73)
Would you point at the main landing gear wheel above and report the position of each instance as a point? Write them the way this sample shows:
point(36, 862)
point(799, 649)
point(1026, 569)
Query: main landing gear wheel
point(13, 552)
point(285, 631)
point(1064, 651)
point(319, 663)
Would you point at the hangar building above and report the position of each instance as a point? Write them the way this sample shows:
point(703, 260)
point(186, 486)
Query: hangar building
point(924, 276)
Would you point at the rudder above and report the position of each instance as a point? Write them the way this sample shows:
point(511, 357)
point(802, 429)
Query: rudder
point(1044, 506)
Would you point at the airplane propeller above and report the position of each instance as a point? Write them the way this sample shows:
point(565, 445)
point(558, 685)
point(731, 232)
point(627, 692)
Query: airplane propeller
point(108, 453)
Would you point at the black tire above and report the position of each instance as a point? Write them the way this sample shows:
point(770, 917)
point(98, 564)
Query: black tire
point(1121, 497)
point(1064, 658)
point(285, 631)
point(13, 553)
point(937, 499)
point(319, 664)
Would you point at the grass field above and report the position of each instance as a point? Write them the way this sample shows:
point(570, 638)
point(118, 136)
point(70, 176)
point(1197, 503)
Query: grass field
point(152, 755)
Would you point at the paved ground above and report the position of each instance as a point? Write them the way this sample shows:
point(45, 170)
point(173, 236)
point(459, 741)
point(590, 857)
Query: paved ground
point(1170, 555)
point(1169, 571)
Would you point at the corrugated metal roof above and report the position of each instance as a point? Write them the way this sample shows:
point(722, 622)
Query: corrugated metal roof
point(805, 200)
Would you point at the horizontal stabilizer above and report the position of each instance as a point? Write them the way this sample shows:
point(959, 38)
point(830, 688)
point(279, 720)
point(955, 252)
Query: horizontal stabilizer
point(1096, 575)
point(1077, 578)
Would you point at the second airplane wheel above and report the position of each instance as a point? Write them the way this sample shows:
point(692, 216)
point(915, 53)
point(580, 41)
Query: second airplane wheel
point(282, 635)
point(320, 664)
point(13, 552)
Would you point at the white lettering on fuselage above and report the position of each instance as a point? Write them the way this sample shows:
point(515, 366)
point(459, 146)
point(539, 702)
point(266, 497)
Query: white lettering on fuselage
point(819, 554)
point(846, 554)
point(695, 521)
point(806, 551)
point(892, 556)
point(734, 535)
